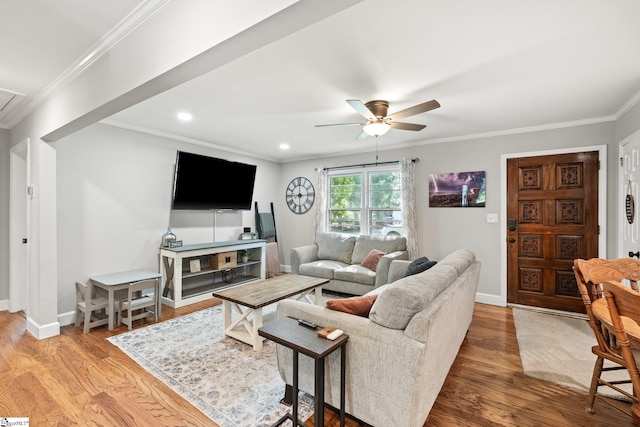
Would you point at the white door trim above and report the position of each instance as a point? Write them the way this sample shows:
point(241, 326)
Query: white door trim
point(622, 194)
point(602, 203)
point(20, 179)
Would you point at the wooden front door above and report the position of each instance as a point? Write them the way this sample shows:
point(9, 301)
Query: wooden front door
point(552, 219)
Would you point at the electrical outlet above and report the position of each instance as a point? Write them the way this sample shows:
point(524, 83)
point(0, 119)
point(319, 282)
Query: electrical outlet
point(492, 218)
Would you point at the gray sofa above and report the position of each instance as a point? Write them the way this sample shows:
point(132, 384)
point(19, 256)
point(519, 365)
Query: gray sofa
point(399, 357)
point(337, 257)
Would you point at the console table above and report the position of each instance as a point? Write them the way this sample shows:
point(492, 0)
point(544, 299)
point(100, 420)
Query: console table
point(190, 272)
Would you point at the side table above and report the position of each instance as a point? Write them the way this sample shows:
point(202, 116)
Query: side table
point(300, 339)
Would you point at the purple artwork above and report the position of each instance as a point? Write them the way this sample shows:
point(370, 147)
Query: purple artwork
point(458, 189)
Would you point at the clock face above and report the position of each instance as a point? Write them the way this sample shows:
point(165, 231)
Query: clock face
point(300, 195)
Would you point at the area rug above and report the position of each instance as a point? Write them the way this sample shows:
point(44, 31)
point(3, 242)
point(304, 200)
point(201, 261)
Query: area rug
point(222, 377)
point(557, 349)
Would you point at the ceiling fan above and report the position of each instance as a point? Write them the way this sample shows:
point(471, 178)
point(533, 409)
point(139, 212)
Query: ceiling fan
point(379, 121)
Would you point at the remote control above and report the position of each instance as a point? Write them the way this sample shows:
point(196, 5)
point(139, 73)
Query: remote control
point(307, 324)
point(335, 334)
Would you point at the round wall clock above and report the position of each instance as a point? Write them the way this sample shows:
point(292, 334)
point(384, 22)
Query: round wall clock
point(300, 195)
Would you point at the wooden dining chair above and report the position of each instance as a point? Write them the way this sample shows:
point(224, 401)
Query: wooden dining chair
point(620, 310)
point(138, 299)
point(87, 304)
point(590, 276)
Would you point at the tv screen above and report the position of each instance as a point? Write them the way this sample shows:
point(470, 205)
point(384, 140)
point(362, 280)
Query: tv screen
point(204, 183)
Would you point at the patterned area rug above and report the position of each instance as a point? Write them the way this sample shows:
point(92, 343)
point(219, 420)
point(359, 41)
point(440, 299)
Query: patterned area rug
point(224, 378)
point(557, 349)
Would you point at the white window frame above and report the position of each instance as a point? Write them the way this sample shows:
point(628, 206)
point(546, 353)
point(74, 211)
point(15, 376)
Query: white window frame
point(365, 209)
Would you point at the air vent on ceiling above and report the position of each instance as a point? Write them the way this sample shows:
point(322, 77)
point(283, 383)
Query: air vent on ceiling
point(9, 100)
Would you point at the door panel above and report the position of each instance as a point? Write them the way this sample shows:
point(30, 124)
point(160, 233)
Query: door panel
point(553, 201)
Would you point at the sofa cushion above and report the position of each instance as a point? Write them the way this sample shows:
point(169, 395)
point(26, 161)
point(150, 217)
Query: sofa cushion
point(360, 306)
point(335, 246)
point(371, 260)
point(418, 266)
point(460, 259)
point(401, 300)
point(324, 268)
point(387, 244)
point(355, 273)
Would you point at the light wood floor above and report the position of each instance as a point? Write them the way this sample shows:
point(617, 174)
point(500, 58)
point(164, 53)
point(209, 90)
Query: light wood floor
point(76, 379)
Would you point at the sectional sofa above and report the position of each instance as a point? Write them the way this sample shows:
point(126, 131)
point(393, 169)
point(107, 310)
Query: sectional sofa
point(399, 356)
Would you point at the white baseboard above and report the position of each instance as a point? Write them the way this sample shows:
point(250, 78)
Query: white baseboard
point(68, 318)
point(490, 299)
point(285, 268)
point(4, 304)
point(42, 331)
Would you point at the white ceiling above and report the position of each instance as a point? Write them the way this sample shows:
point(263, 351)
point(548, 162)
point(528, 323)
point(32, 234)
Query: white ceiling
point(495, 66)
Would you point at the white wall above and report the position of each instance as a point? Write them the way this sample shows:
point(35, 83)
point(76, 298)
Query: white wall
point(5, 150)
point(442, 230)
point(114, 203)
point(628, 123)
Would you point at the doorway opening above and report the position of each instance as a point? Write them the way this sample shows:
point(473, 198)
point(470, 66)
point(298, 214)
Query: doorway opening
point(19, 170)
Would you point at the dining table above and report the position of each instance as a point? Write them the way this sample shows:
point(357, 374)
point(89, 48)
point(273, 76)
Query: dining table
point(113, 282)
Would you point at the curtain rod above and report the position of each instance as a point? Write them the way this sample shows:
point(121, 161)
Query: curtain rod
point(364, 165)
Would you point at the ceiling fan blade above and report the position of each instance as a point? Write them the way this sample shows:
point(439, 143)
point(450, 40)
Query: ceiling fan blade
point(406, 126)
point(357, 105)
point(340, 124)
point(416, 109)
point(363, 135)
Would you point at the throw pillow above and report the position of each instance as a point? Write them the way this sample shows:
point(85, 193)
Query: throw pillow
point(418, 266)
point(360, 306)
point(371, 260)
point(335, 246)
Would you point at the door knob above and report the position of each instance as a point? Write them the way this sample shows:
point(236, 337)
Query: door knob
point(512, 240)
point(634, 254)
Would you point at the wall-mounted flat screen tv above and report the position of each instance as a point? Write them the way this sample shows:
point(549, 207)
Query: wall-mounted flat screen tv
point(205, 183)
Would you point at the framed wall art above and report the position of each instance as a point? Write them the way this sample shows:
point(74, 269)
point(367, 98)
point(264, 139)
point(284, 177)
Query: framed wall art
point(457, 189)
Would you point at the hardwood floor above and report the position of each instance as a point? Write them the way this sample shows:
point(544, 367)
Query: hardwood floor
point(76, 379)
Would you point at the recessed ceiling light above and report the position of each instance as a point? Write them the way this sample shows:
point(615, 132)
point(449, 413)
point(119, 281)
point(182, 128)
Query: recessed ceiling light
point(284, 146)
point(185, 117)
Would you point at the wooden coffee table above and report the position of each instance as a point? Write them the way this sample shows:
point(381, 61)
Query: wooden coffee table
point(249, 299)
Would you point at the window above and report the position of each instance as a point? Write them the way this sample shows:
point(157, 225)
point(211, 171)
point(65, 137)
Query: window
point(366, 202)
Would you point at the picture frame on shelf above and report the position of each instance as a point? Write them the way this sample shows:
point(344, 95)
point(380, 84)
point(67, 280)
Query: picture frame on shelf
point(194, 266)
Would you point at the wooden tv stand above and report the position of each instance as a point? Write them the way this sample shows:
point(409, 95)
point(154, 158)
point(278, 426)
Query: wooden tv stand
point(191, 272)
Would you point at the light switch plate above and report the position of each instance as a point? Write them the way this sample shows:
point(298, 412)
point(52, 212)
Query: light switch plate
point(492, 218)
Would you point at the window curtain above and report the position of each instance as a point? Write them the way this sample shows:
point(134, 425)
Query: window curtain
point(321, 199)
point(409, 219)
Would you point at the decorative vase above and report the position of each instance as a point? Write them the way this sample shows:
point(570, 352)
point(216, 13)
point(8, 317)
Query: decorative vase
point(168, 238)
point(244, 259)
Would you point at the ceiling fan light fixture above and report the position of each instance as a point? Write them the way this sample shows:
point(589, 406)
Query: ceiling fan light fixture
point(377, 128)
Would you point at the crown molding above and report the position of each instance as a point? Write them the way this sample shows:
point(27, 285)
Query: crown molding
point(628, 105)
point(514, 131)
point(167, 135)
point(128, 24)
